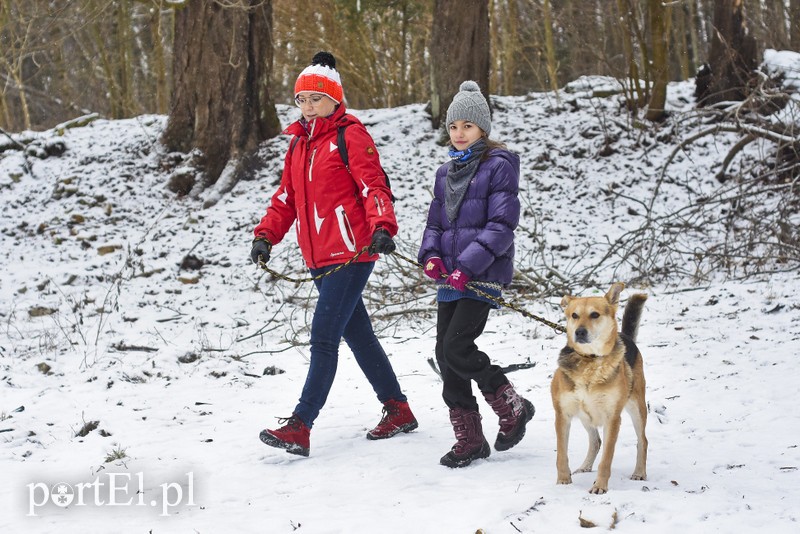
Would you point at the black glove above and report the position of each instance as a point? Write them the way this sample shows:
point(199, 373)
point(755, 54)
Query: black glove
point(261, 249)
point(382, 242)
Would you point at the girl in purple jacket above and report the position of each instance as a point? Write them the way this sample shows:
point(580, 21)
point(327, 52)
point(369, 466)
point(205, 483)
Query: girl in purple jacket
point(468, 243)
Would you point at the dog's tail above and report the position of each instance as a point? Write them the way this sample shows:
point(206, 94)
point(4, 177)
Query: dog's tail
point(632, 314)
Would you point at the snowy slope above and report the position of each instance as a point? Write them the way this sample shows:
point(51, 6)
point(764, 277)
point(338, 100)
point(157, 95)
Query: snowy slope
point(152, 322)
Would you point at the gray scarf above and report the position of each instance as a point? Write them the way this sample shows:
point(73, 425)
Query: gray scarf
point(461, 171)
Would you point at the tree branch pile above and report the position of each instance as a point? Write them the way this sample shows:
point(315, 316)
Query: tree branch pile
point(749, 225)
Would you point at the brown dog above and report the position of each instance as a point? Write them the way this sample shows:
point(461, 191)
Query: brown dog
point(600, 373)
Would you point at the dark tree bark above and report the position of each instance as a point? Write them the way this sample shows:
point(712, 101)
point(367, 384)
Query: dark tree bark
point(221, 104)
point(459, 51)
point(733, 56)
point(636, 92)
point(660, 17)
point(794, 19)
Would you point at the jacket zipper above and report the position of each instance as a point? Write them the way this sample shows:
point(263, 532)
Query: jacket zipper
point(310, 219)
point(311, 163)
point(313, 152)
point(454, 253)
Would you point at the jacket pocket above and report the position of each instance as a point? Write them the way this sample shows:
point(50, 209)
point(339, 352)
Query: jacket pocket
point(348, 237)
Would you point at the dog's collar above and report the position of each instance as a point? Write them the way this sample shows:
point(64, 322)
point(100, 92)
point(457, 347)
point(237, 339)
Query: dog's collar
point(582, 355)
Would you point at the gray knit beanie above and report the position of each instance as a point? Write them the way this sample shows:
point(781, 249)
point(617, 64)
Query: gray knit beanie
point(469, 105)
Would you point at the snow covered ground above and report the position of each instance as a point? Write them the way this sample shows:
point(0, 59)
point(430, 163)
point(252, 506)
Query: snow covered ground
point(141, 352)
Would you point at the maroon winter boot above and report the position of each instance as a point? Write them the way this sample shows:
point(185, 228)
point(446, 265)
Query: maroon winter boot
point(470, 444)
point(397, 417)
point(292, 436)
point(514, 412)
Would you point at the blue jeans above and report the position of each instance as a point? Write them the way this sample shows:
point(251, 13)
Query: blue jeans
point(340, 313)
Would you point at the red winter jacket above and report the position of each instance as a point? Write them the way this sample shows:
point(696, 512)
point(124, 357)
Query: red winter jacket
point(336, 211)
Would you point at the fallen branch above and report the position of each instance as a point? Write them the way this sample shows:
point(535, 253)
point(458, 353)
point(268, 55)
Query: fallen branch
point(121, 347)
point(14, 141)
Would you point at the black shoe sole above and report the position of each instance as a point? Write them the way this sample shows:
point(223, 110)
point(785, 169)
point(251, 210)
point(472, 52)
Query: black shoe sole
point(452, 461)
point(408, 427)
point(500, 445)
point(291, 448)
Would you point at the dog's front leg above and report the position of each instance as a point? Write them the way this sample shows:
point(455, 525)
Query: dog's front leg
point(610, 435)
point(594, 447)
point(563, 423)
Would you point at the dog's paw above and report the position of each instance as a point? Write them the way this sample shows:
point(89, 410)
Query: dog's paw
point(638, 476)
point(583, 469)
point(598, 490)
point(564, 480)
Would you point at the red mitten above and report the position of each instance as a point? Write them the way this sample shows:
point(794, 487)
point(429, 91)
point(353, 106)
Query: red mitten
point(434, 268)
point(458, 280)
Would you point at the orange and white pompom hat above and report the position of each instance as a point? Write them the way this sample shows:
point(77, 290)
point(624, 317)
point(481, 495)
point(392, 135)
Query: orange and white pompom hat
point(321, 77)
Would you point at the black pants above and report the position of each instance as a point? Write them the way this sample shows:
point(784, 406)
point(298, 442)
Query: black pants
point(458, 326)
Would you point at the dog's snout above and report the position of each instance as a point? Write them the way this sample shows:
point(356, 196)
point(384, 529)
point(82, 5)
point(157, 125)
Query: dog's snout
point(581, 335)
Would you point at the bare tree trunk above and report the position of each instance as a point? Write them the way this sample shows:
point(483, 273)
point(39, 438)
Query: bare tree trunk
point(159, 62)
point(693, 27)
point(732, 59)
point(418, 49)
point(550, 47)
point(794, 30)
point(660, 16)
point(401, 75)
point(644, 53)
point(509, 39)
point(17, 46)
point(497, 70)
point(774, 18)
point(221, 103)
point(510, 52)
point(106, 66)
point(766, 20)
point(5, 114)
point(122, 58)
point(459, 51)
point(680, 32)
point(634, 92)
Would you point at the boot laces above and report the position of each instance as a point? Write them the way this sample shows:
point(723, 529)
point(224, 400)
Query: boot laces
point(292, 422)
point(389, 410)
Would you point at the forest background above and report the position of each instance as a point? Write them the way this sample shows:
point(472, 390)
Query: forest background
point(217, 69)
point(59, 60)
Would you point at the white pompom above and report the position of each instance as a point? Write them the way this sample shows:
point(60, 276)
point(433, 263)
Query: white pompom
point(469, 85)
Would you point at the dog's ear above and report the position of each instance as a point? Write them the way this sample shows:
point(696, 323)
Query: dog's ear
point(565, 301)
point(613, 294)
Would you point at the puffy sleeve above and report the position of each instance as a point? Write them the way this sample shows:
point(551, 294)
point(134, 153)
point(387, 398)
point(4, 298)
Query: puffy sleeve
point(432, 235)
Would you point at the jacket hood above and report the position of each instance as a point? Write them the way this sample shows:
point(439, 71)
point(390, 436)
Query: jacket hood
point(507, 155)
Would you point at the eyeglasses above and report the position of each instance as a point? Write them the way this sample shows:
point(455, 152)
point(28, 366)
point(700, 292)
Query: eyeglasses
point(314, 100)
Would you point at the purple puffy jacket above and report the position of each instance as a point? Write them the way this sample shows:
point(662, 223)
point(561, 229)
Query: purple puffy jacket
point(480, 241)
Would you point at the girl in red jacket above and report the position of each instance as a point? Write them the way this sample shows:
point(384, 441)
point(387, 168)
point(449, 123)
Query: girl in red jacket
point(337, 211)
